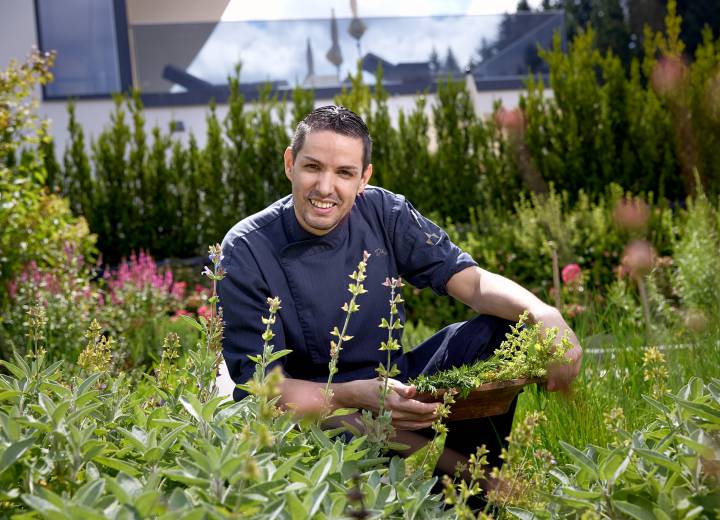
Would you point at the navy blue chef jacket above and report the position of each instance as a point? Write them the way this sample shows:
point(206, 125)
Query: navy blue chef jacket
point(268, 254)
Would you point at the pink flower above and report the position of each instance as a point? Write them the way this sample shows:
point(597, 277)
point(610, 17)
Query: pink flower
point(178, 313)
point(632, 214)
point(204, 311)
point(668, 75)
point(571, 273)
point(512, 120)
point(574, 309)
point(639, 258)
point(178, 290)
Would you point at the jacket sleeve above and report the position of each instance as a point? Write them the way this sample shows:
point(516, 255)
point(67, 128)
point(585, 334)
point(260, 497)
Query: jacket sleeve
point(243, 298)
point(426, 256)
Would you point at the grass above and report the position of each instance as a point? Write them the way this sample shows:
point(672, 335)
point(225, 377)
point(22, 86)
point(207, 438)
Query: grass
point(614, 377)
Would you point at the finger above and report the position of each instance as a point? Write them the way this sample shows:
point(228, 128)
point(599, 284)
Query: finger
point(408, 416)
point(411, 406)
point(411, 425)
point(406, 391)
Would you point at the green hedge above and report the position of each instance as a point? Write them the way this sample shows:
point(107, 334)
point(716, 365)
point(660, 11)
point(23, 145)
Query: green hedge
point(601, 125)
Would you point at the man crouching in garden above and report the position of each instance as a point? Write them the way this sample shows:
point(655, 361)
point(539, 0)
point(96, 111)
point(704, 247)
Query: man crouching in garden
point(302, 248)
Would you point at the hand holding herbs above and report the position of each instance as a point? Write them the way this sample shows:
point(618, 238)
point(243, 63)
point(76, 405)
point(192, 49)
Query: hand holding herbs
point(528, 352)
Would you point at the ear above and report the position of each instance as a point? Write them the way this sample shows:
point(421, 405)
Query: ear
point(365, 178)
point(289, 162)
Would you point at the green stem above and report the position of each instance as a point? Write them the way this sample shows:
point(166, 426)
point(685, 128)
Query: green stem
point(384, 393)
point(333, 359)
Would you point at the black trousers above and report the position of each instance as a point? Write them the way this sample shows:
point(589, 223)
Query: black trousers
point(455, 345)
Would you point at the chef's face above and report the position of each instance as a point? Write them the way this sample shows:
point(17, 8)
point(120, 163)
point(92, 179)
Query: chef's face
point(326, 177)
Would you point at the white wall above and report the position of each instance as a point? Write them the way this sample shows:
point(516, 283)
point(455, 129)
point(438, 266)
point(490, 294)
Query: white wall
point(94, 115)
point(17, 30)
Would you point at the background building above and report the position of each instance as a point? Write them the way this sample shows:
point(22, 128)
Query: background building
point(179, 54)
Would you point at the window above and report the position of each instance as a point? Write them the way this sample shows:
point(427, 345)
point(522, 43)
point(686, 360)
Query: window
point(91, 46)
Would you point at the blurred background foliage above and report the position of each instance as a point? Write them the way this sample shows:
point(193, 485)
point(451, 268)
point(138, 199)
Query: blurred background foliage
point(558, 164)
point(644, 127)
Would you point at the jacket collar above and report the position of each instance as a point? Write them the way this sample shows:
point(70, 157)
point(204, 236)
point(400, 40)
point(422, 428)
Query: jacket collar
point(297, 235)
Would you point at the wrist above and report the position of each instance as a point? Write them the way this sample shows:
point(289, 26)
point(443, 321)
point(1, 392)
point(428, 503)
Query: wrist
point(343, 395)
point(542, 312)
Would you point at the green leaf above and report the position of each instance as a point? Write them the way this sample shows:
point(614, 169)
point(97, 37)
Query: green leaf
point(13, 452)
point(40, 504)
point(620, 470)
point(16, 370)
point(295, 508)
point(285, 467)
point(659, 459)
point(320, 436)
point(89, 493)
point(179, 500)
point(320, 469)
point(705, 450)
point(634, 511)
point(343, 411)
point(146, 502)
point(701, 410)
point(209, 408)
point(7, 395)
point(657, 405)
point(277, 355)
point(396, 471)
point(522, 514)
point(117, 464)
point(581, 493)
point(169, 438)
point(314, 500)
point(581, 459)
point(87, 383)
point(193, 406)
point(562, 477)
point(192, 322)
point(185, 478)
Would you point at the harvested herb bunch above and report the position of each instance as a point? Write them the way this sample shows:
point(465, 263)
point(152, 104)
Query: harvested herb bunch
point(526, 353)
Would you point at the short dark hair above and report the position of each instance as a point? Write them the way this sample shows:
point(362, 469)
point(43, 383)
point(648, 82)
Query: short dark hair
point(337, 119)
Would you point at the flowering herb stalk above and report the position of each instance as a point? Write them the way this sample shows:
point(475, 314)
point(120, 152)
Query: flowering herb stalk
point(392, 344)
point(355, 288)
point(263, 385)
point(206, 360)
point(97, 355)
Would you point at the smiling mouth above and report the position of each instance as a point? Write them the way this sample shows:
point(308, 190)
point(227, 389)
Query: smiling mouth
point(322, 204)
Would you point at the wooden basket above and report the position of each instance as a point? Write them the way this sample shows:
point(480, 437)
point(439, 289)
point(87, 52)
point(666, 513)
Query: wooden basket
point(484, 401)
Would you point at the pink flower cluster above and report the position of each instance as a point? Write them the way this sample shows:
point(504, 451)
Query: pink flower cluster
point(32, 276)
point(48, 282)
point(141, 272)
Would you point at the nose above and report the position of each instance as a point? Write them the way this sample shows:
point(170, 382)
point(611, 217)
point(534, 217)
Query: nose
point(323, 184)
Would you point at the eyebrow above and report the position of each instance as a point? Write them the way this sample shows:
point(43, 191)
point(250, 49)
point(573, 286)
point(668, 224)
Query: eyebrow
point(342, 167)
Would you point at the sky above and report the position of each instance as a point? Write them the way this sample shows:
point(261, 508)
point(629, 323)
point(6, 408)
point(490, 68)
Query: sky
point(243, 10)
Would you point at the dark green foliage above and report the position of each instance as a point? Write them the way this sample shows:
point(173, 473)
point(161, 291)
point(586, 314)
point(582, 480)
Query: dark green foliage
point(594, 131)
